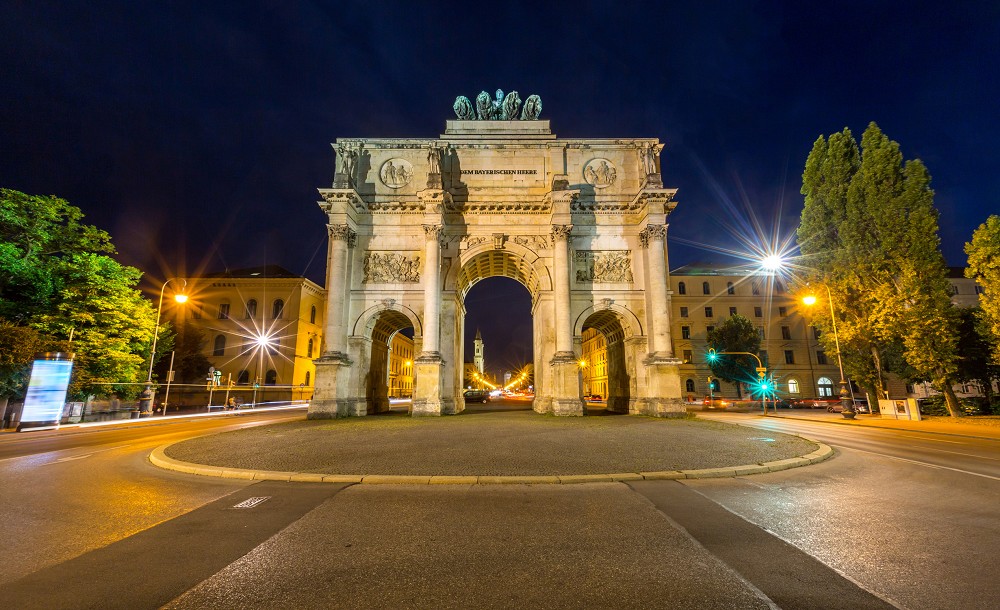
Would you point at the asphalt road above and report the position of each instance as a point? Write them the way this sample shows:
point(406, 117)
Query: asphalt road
point(892, 520)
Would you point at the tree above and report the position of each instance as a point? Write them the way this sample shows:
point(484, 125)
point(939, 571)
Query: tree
point(984, 267)
point(736, 334)
point(869, 232)
point(976, 346)
point(18, 345)
point(56, 277)
point(190, 363)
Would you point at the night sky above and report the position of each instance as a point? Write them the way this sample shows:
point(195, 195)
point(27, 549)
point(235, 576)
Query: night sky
point(197, 133)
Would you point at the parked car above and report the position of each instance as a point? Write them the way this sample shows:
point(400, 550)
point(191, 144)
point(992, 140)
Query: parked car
point(482, 396)
point(860, 406)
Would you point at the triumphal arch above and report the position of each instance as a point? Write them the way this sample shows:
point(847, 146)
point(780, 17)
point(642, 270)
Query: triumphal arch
point(415, 223)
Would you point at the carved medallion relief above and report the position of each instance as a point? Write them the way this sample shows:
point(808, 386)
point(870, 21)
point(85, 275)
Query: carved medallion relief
point(396, 173)
point(600, 173)
point(389, 268)
point(603, 266)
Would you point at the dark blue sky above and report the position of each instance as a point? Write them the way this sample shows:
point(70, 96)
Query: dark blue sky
point(197, 133)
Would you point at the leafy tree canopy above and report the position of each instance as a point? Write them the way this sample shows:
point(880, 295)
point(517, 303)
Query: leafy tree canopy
point(984, 267)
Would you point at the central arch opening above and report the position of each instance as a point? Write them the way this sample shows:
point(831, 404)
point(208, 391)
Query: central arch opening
point(389, 378)
point(604, 362)
point(497, 291)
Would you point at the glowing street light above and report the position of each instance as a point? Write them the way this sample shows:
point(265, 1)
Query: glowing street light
point(146, 398)
point(847, 406)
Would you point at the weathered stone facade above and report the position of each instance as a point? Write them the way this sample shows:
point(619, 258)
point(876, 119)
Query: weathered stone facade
point(581, 223)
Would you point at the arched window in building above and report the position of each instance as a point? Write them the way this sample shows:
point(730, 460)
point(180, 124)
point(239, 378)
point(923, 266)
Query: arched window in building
point(308, 378)
point(689, 385)
point(705, 288)
point(278, 309)
point(309, 350)
point(825, 387)
point(729, 288)
point(251, 309)
point(793, 386)
point(220, 346)
point(271, 377)
point(312, 315)
point(243, 378)
point(681, 288)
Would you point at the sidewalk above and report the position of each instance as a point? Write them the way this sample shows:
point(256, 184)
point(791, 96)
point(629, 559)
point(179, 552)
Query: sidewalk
point(979, 426)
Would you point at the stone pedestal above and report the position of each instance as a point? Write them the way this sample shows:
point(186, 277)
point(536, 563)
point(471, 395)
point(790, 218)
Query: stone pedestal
point(330, 399)
point(664, 387)
point(566, 390)
point(427, 388)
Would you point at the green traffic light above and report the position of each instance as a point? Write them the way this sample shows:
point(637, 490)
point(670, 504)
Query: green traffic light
point(712, 356)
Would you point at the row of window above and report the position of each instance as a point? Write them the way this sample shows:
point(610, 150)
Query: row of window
point(219, 348)
point(786, 332)
point(277, 311)
point(824, 386)
point(788, 353)
point(758, 312)
point(706, 288)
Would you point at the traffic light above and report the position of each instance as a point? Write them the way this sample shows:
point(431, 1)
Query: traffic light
point(712, 356)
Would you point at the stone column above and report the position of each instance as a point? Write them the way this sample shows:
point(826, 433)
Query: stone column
point(663, 385)
point(653, 239)
point(567, 396)
point(332, 394)
point(428, 366)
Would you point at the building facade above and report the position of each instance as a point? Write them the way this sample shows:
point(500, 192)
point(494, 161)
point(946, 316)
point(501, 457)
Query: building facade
point(262, 326)
point(400, 366)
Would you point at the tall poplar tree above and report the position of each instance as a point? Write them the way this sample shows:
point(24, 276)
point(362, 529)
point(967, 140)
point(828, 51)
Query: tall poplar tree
point(880, 256)
point(984, 267)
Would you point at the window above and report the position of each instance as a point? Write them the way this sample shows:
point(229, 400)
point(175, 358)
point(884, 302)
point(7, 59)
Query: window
point(687, 356)
point(979, 290)
point(825, 387)
point(786, 333)
point(732, 311)
point(758, 312)
point(705, 288)
point(684, 312)
point(782, 311)
point(243, 378)
point(278, 309)
point(820, 357)
point(789, 356)
point(681, 289)
point(309, 349)
point(223, 311)
point(793, 386)
point(708, 312)
point(312, 316)
point(220, 346)
point(308, 375)
point(685, 332)
point(816, 333)
point(251, 309)
point(689, 385)
point(729, 288)
point(778, 287)
point(954, 289)
point(760, 332)
point(196, 312)
point(755, 288)
point(271, 377)
point(709, 329)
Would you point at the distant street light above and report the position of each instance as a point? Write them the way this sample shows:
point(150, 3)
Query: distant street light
point(847, 405)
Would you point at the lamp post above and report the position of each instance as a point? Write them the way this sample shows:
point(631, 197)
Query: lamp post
point(847, 406)
point(180, 297)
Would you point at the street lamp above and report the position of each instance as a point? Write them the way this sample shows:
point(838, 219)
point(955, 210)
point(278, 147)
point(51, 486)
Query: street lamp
point(263, 342)
point(847, 406)
point(180, 297)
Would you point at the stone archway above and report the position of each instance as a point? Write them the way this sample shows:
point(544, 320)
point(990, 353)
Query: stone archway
point(581, 223)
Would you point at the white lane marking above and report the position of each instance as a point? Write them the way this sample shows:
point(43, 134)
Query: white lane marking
point(973, 455)
point(81, 456)
point(919, 463)
point(252, 502)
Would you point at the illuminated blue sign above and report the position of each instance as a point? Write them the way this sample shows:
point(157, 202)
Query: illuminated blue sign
point(43, 405)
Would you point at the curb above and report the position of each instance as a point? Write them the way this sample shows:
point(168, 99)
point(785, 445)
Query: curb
point(159, 458)
point(875, 424)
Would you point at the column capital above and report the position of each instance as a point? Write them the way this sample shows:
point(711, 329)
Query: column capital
point(433, 232)
point(342, 233)
point(658, 232)
point(561, 232)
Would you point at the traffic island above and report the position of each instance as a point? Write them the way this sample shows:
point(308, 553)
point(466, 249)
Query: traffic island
point(490, 448)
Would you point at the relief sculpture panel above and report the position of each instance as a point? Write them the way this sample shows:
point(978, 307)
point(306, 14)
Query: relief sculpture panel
point(603, 266)
point(389, 267)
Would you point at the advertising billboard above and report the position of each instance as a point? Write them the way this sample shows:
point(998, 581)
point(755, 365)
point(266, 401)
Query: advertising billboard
point(43, 404)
